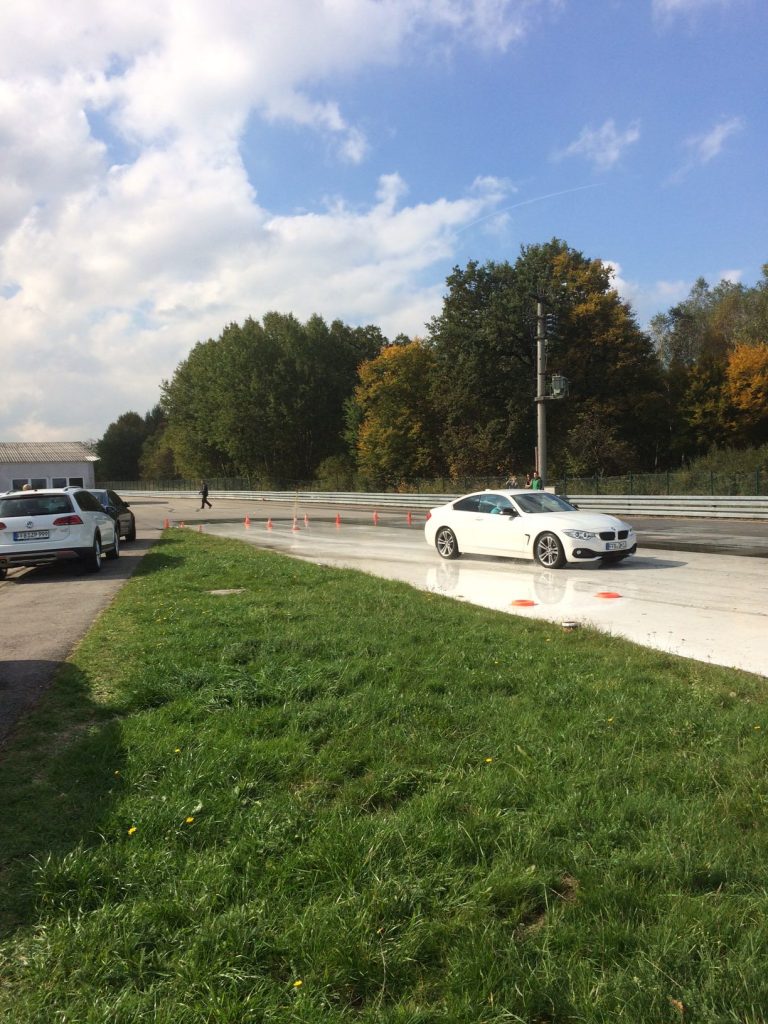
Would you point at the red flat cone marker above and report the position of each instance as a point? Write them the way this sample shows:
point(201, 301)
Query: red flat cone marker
point(522, 602)
point(607, 594)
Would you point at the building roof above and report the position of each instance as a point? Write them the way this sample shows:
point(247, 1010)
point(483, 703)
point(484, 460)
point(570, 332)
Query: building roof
point(46, 451)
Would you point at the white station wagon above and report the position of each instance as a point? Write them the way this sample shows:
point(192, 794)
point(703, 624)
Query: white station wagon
point(38, 527)
point(527, 524)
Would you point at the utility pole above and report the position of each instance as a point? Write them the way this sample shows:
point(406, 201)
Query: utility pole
point(541, 391)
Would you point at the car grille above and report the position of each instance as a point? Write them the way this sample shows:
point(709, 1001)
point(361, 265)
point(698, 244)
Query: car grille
point(612, 535)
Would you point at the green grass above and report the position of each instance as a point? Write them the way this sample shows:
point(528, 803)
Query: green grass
point(331, 797)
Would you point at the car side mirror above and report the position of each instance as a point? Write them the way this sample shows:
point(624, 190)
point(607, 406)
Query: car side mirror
point(509, 512)
point(111, 511)
point(126, 504)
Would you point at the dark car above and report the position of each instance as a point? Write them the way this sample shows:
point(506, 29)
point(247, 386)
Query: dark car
point(120, 511)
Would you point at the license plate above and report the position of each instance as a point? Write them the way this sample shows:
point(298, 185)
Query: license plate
point(615, 545)
point(30, 535)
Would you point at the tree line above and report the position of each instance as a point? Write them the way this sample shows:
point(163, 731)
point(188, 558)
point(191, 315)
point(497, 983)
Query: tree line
point(278, 401)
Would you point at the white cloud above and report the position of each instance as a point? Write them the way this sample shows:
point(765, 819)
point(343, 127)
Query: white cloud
point(129, 228)
point(603, 146)
point(703, 148)
point(118, 288)
point(649, 299)
point(665, 9)
point(706, 147)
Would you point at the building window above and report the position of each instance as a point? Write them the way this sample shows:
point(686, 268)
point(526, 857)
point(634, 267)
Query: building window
point(38, 483)
point(76, 481)
point(58, 481)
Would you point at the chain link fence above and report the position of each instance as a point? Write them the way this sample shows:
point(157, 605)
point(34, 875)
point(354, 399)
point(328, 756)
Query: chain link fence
point(680, 482)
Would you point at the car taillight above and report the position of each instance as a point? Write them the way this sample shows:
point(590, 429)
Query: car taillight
point(428, 516)
point(68, 521)
point(2, 526)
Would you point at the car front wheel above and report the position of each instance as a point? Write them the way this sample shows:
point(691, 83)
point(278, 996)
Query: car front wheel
point(446, 543)
point(549, 551)
point(3, 573)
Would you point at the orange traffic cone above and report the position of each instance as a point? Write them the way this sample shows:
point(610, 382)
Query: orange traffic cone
point(247, 522)
point(294, 528)
point(375, 518)
point(306, 519)
point(409, 517)
point(269, 524)
point(200, 528)
point(166, 524)
point(338, 520)
point(181, 525)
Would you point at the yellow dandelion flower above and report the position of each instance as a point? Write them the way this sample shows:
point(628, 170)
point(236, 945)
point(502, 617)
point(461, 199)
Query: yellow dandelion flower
point(189, 820)
point(489, 760)
point(298, 983)
point(177, 750)
point(131, 830)
point(117, 772)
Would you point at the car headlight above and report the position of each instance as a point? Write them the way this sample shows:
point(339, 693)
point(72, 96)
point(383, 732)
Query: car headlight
point(579, 534)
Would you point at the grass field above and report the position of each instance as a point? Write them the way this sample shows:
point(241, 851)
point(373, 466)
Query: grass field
point(329, 797)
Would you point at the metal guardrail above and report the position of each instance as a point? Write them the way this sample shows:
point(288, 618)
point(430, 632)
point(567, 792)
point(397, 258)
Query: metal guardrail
point(681, 506)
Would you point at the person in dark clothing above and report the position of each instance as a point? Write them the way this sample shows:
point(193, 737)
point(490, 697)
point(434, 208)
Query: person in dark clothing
point(204, 494)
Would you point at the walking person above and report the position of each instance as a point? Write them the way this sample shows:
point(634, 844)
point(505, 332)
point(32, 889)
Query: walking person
point(204, 494)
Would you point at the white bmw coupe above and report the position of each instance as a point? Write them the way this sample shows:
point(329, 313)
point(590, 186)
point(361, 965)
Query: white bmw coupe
point(527, 524)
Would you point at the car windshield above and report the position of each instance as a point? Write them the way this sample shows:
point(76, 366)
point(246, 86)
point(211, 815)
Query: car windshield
point(35, 505)
point(542, 501)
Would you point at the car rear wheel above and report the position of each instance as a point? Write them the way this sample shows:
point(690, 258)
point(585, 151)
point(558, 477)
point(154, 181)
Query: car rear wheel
point(549, 551)
point(94, 557)
point(446, 543)
point(3, 573)
point(114, 551)
point(131, 535)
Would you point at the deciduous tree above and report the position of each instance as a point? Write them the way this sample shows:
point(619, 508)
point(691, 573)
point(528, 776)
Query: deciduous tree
point(397, 435)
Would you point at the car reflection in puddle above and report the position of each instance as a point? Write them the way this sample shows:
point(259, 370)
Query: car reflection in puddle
point(522, 590)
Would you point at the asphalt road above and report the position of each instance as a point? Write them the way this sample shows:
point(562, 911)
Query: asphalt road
point(44, 612)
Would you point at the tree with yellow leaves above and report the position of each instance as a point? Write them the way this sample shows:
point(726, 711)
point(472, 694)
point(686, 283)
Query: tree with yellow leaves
point(746, 387)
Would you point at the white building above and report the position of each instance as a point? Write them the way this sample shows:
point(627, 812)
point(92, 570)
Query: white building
point(46, 464)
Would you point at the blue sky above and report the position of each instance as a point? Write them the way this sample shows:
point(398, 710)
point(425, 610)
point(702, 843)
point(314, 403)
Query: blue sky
point(171, 167)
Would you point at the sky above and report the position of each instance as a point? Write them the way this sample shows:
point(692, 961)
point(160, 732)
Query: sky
point(168, 167)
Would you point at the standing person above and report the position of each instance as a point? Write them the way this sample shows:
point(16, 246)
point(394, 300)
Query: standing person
point(511, 481)
point(204, 493)
point(527, 479)
point(536, 482)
